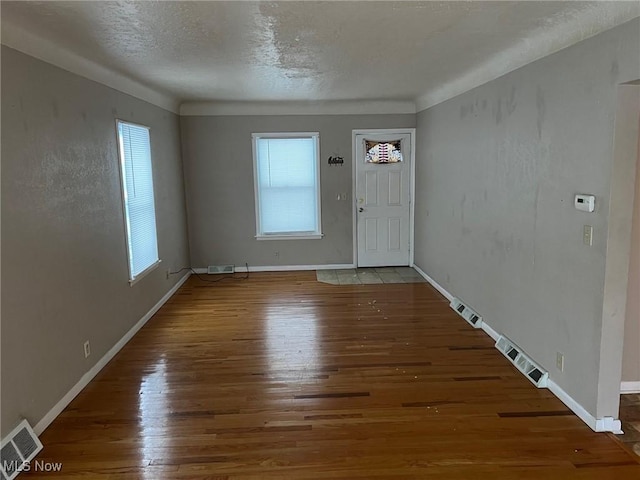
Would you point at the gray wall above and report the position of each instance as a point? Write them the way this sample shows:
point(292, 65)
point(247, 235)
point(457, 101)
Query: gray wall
point(64, 261)
point(220, 194)
point(497, 170)
point(631, 348)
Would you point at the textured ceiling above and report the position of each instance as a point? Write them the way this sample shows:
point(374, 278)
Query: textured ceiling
point(309, 51)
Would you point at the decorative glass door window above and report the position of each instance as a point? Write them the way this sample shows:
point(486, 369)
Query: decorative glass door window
point(382, 152)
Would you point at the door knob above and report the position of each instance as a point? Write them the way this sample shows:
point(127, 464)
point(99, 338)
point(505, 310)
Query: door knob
point(361, 209)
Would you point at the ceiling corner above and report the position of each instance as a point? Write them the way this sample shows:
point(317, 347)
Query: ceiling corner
point(542, 42)
point(37, 47)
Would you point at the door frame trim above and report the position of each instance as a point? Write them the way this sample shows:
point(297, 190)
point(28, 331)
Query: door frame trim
point(412, 183)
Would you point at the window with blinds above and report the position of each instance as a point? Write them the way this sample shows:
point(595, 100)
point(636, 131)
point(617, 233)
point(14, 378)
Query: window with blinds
point(287, 185)
point(137, 192)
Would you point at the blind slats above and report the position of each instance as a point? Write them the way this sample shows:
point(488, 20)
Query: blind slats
point(139, 205)
point(287, 185)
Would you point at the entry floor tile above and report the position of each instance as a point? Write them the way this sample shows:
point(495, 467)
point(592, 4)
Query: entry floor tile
point(368, 276)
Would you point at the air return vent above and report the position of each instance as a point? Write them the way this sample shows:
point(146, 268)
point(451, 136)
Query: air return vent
point(216, 269)
point(19, 447)
point(523, 362)
point(465, 312)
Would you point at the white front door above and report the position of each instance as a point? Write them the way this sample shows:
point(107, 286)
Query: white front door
point(382, 198)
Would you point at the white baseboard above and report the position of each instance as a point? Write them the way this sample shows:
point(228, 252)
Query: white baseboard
point(433, 283)
point(490, 331)
point(629, 387)
point(285, 268)
point(87, 377)
point(605, 424)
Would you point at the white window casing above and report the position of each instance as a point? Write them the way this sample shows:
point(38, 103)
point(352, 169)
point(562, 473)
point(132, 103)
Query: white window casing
point(287, 185)
point(136, 175)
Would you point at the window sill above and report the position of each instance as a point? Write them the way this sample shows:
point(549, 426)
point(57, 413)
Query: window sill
point(144, 273)
point(290, 237)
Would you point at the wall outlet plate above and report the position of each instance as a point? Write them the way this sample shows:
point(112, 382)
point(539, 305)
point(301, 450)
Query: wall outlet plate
point(87, 349)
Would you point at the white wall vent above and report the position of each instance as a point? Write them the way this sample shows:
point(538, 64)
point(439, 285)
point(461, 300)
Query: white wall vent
point(216, 269)
point(523, 362)
point(467, 313)
point(20, 446)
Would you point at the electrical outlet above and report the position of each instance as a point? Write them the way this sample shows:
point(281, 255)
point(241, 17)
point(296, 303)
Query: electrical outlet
point(87, 349)
point(277, 254)
point(560, 361)
point(168, 273)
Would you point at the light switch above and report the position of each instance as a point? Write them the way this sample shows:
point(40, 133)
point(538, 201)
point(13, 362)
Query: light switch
point(560, 361)
point(587, 235)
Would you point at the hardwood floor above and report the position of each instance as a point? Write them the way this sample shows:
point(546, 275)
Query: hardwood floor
point(283, 377)
point(630, 418)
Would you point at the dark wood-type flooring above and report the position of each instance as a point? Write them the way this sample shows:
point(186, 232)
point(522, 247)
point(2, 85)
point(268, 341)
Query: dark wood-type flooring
point(283, 377)
point(630, 418)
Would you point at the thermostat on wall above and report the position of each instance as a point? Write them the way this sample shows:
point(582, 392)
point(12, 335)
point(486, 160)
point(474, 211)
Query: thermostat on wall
point(586, 203)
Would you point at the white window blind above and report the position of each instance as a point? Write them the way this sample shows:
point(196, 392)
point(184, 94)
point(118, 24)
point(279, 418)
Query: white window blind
point(137, 192)
point(287, 181)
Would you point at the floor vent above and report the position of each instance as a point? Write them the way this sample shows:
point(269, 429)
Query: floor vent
point(465, 312)
point(216, 269)
point(523, 362)
point(19, 447)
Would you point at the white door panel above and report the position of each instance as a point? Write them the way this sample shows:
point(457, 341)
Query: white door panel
point(395, 234)
point(382, 204)
point(395, 188)
point(371, 189)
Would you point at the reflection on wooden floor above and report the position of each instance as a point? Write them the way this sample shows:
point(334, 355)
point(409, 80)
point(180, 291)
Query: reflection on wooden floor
point(282, 377)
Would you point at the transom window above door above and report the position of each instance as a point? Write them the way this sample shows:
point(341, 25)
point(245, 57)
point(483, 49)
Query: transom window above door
point(383, 152)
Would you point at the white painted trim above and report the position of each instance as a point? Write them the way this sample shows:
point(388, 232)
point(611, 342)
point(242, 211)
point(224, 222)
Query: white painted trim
point(538, 44)
point(311, 235)
point(608, 424)
point(412, 198)
point(605, 424)
point(345, 107)
point(618, 243)
point(354, 200)
point(35, 46)
point(485, 326)
point(412, 191)
point(286, 268)
point(87, 377)
point(490, 331)
point(629, 387)
point(315, 236)
point(145, 272)
point(434, 284)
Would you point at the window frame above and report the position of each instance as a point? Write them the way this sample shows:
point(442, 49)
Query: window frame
point(133, 279)
point(307, 235)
